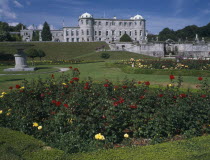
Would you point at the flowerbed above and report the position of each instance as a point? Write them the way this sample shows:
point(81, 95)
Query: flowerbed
point(80, 116)
point(167, 64)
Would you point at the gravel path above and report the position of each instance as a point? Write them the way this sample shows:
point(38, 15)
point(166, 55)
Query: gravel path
point(59, 70)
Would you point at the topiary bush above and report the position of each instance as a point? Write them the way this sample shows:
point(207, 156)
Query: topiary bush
point(105, 55)
point(125, 38)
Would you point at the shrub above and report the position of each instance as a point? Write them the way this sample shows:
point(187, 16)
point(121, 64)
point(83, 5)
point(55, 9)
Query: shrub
point(105, 55)
point(125, 38)
point(80, 116)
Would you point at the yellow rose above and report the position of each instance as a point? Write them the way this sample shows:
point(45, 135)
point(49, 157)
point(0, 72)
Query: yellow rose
point(35, 124)
point(1, 111)
point(64, 84)
point(1, 96)
point(22, 87)
point(8, 113)
point(3, 93)
point(126, 135)
point(40, 127)
point(170, 85)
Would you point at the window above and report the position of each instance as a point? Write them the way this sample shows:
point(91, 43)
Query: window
point(120, 23)
point(67, 39)
point(107, 33)
point(113, 32)
point(140, 23)
point(67, 33)
point(135, 23)
point(95, 23)
point(77, 39)
point(135, 32)
point(99, 39)
point(99, 23)
point(113, 23)
point(95, 32)
point(72, 39)
point(77, 32)
point(120, 33)
point(87, 32)
point(82, 32)
point(125, 32)
point(107, 23)
point(130, 33)
point(88, 39)
point(125, 23)
point(87, 21)
point(130, 23)
point(99, 33)
point(81, 21)
point(72, 33)
point(140, 32)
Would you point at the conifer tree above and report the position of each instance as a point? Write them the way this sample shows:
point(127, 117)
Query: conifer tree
point(125, 38)
point(46, 34)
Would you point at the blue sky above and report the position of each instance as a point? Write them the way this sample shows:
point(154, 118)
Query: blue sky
point(159, 14)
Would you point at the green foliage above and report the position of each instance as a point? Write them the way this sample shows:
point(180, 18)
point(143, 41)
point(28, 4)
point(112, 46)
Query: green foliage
point(17, 146)
point(125, 38)
point(35, 36)
point(70, 111)
point(41, 54)
point(105, 55)
point(188, 32)
point(17, 28)
point(46, 34)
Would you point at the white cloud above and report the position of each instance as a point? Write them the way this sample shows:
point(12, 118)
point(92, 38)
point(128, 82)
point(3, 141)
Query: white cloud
point(13, 24)
point(5, 11)
point(206, 11)
point(18, 4)
point(40, 26)
point(30, 27)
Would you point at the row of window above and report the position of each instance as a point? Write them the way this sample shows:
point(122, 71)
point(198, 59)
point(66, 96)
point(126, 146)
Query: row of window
point(113, 32)
point(83, 40)
point(112, 23)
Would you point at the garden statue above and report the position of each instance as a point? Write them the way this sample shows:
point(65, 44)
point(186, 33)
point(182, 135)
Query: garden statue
point(20, 57)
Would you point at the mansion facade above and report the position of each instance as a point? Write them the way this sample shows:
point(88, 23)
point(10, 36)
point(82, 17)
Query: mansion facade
point(96, 29)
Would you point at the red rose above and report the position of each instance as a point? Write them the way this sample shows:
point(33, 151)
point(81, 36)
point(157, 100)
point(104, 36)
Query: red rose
point(172, 77)
point(71, 82)
point(106, 85)
point(203, 96)
point(76, 69)
point(52, 76)
point(86, 87)
point(58, 103)
point(160, 95)
point(141, 97)
point(21, 90)
point(116, 103)
point(53, 101)
point(182, 95)
point(121, 100)
point(70, 67)
point(66, 105)
point(75, 79)
point(200, 78)
point(17, 86)
point(10, 87)
point(104, 117)
point(133, 106)
point(147, 83)
point(139, 82)
point(86, 84)
point(124, 87)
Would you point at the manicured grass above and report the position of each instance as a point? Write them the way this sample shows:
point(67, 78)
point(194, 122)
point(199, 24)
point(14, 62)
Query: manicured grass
point(61, 50)
point(15, 145)
point(99, 72)
point(114, 55)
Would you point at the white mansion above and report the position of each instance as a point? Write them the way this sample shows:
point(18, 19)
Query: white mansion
point(96, 29)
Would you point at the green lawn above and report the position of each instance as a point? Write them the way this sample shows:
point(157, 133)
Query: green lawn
point(15, 145)
point(61, 50)
point(98, 71)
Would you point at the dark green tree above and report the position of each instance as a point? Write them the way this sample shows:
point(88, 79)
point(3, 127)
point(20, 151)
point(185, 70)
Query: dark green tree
point(46, 34)
point(167, 33)
point(32, 53)
point(4, 32)
point(41, 54)
point(35, 36)
point(125, 38)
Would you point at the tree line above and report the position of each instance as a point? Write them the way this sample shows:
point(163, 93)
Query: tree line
point(186, 34)
point(5, 32)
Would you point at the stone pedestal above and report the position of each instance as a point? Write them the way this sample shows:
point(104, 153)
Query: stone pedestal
point(20, 62)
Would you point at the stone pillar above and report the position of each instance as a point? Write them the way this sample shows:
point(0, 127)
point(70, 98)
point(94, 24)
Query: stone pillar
point(20, 59)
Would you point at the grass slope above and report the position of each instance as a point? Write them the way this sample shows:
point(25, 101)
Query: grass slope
point(60, 50)
point(15, 145)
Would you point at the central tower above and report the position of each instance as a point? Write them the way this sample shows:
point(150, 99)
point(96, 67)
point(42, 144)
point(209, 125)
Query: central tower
point(86, 27)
